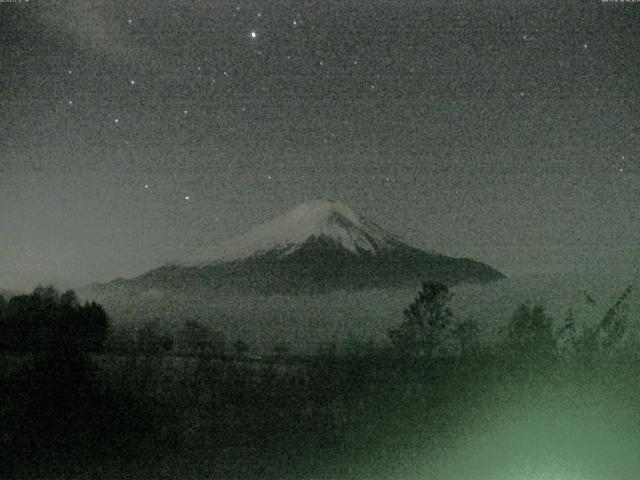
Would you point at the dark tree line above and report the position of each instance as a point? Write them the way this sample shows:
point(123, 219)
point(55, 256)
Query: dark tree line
point(47, 320)
point(431, 329)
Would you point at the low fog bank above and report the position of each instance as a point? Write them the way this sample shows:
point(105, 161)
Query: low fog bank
point(309, 322)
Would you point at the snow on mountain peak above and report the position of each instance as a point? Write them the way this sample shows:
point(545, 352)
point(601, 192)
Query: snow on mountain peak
point(286, 233)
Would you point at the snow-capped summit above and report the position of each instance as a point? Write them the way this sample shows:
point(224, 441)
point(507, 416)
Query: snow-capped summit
point(285, 234)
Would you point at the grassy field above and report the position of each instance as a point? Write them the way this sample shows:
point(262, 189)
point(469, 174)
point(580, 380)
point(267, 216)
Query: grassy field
point(363, 416)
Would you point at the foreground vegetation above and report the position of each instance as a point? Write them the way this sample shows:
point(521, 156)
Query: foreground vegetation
point(85, 404)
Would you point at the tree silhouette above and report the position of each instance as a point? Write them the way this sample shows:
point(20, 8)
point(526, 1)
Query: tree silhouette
point(567, 335)
point(151, 339)
point(425, 323)
point(200, 339)
point(613, 325)
point(48, 320)
point(530, 333)
point(467, 334)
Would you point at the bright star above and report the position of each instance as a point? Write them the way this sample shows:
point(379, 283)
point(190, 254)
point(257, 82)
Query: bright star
point(187, 198)
point(253, 34)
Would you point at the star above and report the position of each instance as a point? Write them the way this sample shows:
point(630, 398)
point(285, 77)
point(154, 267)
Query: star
point(116, 120)
point(253, 34)
point(69, 72)
point(71, 103)
point(186, 112)
point(586, 45)
point(132, 82)
point(146, 187)
point(187, 198)
point(269, 177)
point(130, 21)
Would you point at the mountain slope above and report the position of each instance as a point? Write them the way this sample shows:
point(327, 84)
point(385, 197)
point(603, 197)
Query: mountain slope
point(318, 246)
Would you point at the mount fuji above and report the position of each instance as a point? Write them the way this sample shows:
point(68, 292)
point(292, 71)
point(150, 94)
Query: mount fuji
point(316, 247)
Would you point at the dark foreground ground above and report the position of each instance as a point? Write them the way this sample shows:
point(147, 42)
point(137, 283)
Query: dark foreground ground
point(489, 415)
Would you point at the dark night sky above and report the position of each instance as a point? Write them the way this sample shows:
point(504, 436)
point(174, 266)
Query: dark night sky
point(505, 131)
